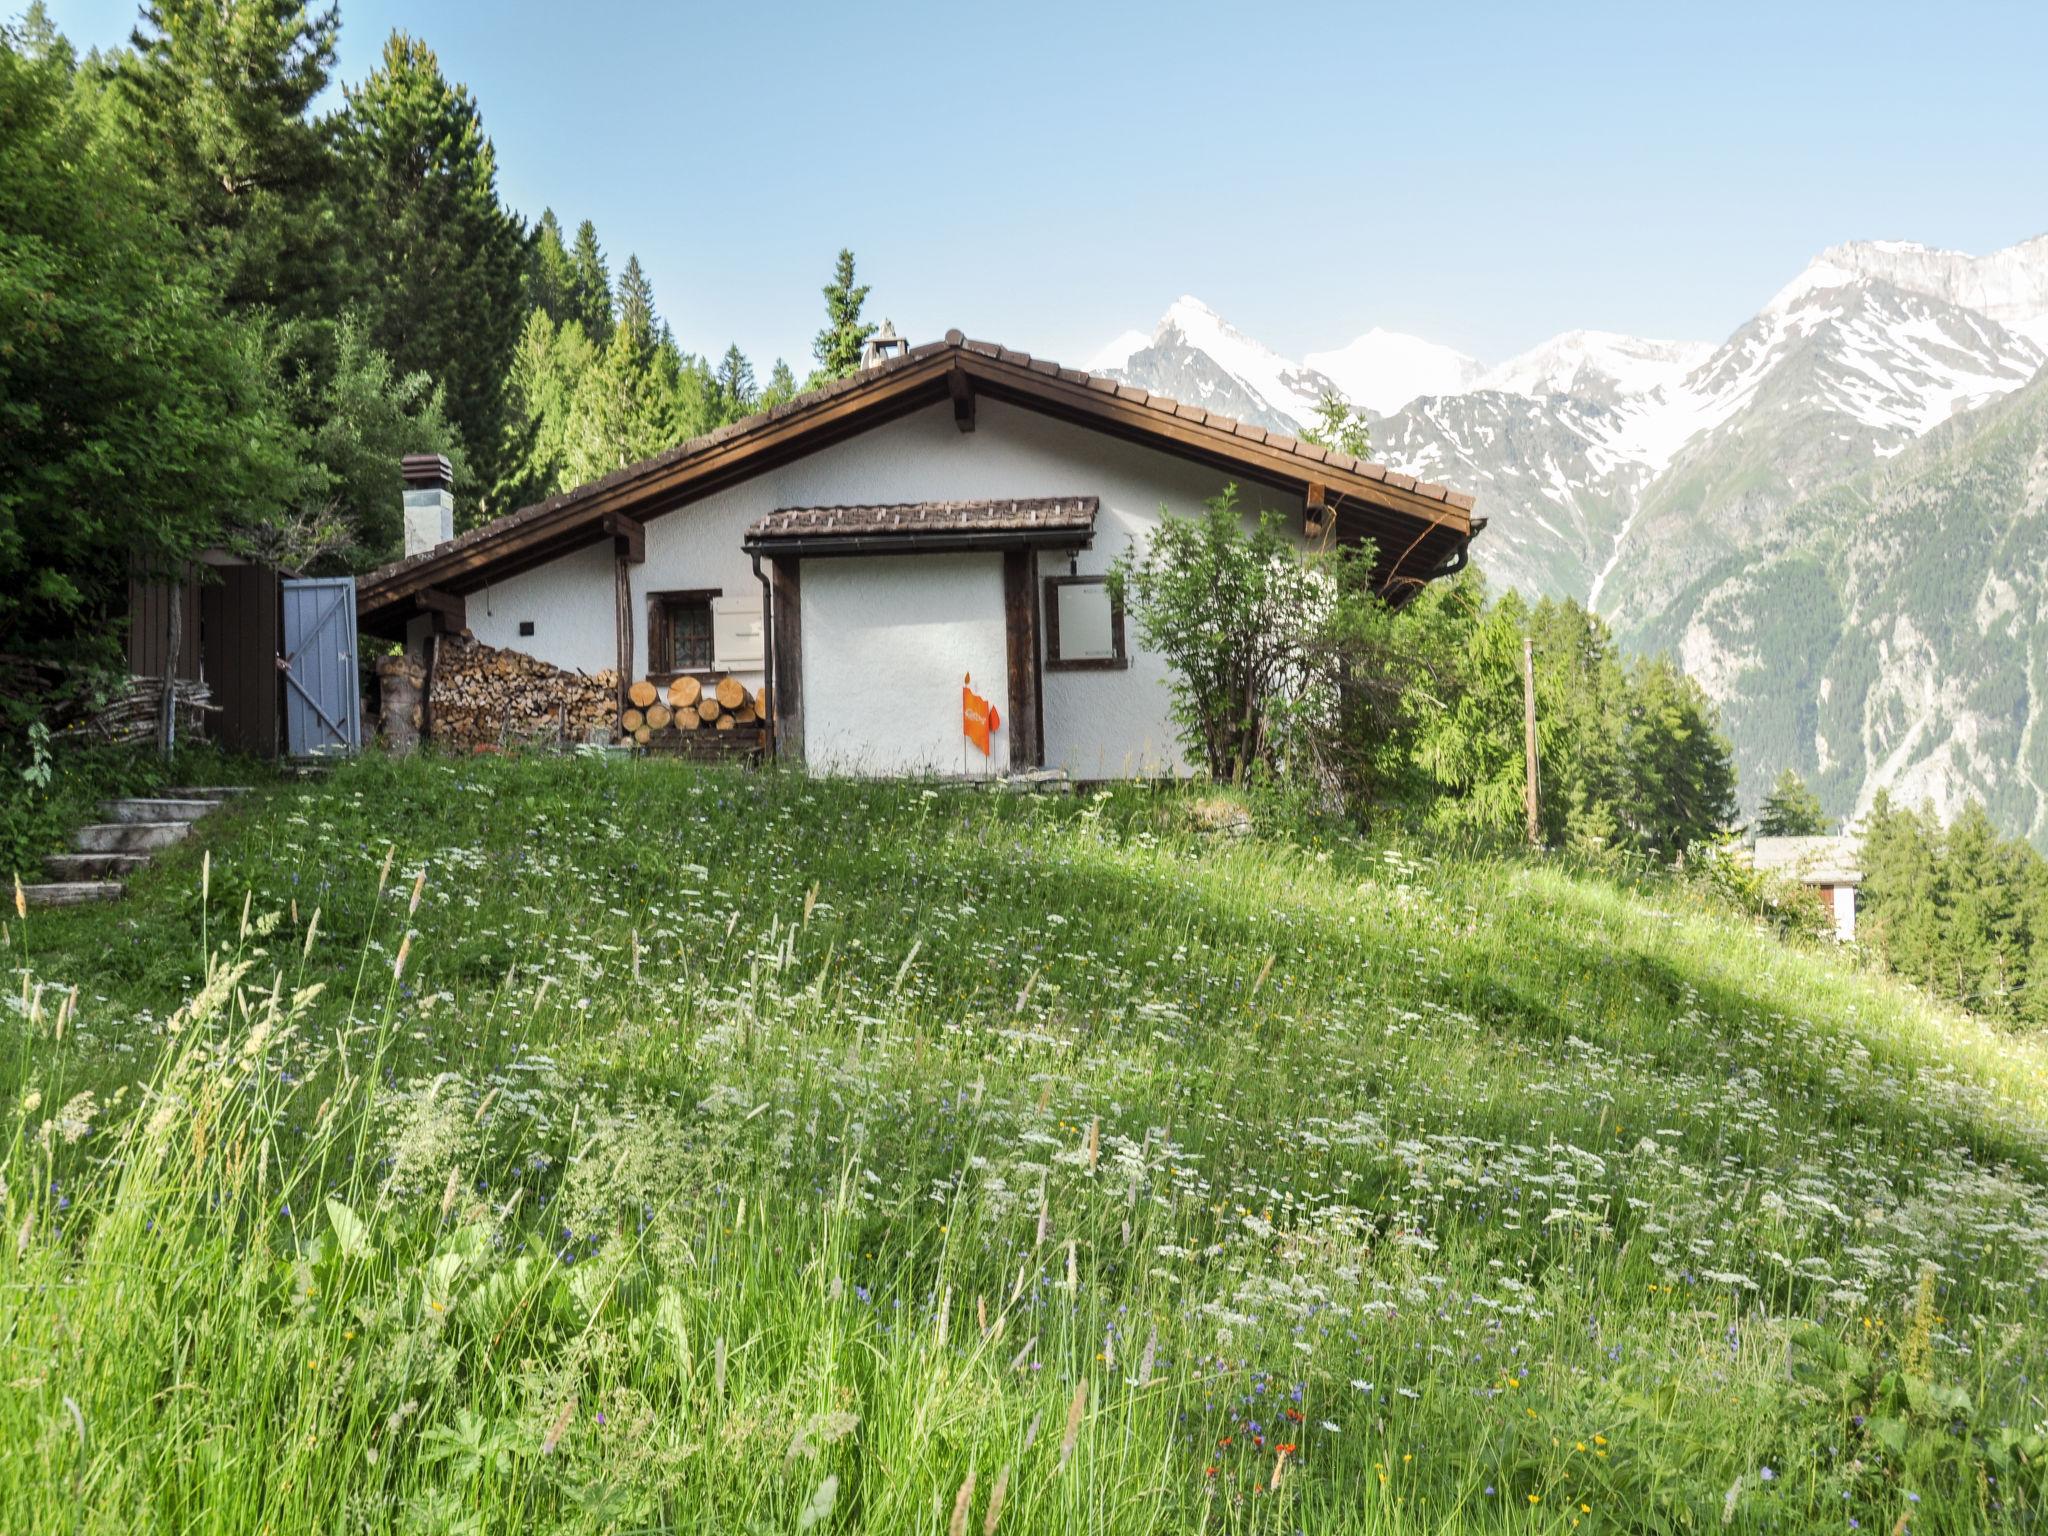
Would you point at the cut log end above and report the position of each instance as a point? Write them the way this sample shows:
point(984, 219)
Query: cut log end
point(684, 692)
point(732, 693)
point(642, 693)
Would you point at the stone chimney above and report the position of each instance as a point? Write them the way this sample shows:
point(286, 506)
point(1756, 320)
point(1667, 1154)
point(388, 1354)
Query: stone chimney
point(882, 346)
point(429, 501)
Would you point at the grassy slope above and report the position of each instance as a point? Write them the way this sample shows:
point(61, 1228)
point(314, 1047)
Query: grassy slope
point(731, 1140)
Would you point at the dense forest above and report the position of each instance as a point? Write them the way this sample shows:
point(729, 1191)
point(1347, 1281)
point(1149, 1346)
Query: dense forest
point(231, 309)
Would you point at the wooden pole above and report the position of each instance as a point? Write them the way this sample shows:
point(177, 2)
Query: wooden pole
point(167, 724)
point(622, 615)
point(1529, 737)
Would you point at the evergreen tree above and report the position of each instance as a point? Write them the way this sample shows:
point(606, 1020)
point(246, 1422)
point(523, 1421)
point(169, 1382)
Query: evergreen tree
point(590, 285)
point(838, 345)
point(367, 417)
point(223, 98)
point(1683, 767)
point(1791, 809)
point(633, 314)
point(781, 388)
point(550, 279)
point(437, 257)
point(1901, 897)
point(735, 396)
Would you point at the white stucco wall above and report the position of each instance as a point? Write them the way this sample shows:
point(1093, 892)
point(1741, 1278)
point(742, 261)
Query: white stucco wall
point(887, 642)
point(1097, 724)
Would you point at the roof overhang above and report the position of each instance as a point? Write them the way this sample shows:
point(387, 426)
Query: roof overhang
point(928, 527)
point(1418, 529)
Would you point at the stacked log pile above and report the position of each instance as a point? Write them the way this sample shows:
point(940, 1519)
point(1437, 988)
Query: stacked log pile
point(482, 696)
point(136, 713)
point(666, 718)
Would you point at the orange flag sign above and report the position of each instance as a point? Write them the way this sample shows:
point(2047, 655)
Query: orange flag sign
point(978, 718)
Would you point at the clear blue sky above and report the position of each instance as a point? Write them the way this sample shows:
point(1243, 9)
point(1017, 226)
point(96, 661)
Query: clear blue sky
point(1048, 174)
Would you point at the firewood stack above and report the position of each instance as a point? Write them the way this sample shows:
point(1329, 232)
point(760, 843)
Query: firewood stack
point(135, 714)
point(482, 696)
point(658, 717)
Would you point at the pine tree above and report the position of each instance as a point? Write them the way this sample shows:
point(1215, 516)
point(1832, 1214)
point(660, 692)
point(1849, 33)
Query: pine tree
point(1791, 809)
point(222, 97)
point(550, 279)
point(438, 258)
point(633, 314)
point(838, 345)
point(590, 287)
point(781, 386)
point(735, 386)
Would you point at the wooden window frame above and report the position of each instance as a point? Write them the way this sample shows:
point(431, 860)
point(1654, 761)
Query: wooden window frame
point(1053, 661)
point(660, 642)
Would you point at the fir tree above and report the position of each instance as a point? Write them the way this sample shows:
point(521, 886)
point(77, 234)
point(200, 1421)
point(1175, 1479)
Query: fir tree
point(781, 386)
point(222, 96)
point(439, 259)
point(633, 314)
point(1791, 809)
point(838, 345)
point(735, 395)
point(550, 279)
point(590, 285)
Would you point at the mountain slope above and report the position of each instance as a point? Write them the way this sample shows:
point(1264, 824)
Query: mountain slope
point(1384, 370)
point(1642, 477)
point(1831, 378)
point(1197, 356)
point(1893, 633)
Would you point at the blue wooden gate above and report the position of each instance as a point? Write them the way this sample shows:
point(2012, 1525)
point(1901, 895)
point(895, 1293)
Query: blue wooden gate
point(322, 699)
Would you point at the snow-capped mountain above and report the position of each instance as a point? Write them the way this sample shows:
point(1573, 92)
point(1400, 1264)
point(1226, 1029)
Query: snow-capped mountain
point(1383, 370)
point(1195, 355)
point(1598, 365)
point(1655, 480)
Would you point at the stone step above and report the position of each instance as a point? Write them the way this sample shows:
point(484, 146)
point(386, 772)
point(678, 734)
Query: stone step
point(92, 866)
point(70, 893)
point(128, 836)
point(136, 808)
point(205, 791)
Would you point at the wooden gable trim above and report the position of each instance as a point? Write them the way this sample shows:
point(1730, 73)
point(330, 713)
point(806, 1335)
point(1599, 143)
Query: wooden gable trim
point(1415, 532)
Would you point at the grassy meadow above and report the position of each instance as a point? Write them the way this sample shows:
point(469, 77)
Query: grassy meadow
point(561, 1144)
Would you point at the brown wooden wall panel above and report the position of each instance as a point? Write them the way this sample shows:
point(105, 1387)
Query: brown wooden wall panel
point(149, 627)
point(239, 611)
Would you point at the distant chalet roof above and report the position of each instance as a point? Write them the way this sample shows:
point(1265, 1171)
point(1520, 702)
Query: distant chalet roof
point(1811, 860)
point(1418, 527)
point(1064, 521)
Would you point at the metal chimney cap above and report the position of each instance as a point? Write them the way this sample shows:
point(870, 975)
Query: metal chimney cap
point(427, 472)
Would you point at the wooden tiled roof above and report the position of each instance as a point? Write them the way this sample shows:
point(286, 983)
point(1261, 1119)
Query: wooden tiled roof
point(1418, 526)
point(1045, 514)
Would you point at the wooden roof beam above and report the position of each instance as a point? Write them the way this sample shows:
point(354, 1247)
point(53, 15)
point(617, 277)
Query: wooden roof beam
point(961, 387)
point(629, 537)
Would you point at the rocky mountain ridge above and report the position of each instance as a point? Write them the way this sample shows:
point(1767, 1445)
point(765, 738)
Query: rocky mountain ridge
point(1654, 479)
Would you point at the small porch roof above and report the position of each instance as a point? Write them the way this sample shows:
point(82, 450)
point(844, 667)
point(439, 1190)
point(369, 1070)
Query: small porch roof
point(1062, 522)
